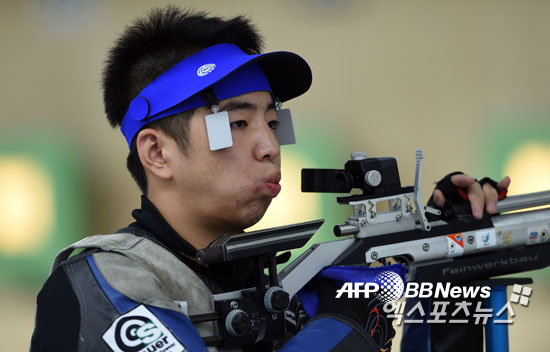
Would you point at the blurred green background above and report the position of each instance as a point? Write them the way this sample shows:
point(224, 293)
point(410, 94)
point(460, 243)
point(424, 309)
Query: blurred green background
point(468, 81)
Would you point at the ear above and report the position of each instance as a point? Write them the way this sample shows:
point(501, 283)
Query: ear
point(150, 144)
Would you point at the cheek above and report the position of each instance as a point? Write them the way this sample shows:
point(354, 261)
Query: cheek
point(225, 178)
point(236, 171)
point(225, 187)
point(241, 192)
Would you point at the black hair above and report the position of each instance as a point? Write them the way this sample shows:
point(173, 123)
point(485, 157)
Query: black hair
point(152, 44)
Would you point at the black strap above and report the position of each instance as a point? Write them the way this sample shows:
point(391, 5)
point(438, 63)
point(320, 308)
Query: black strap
point(501, 191)
point(209, 97)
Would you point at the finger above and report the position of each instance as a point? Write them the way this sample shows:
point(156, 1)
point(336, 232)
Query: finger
point(462, 180)
point(491, 198)
point(477, 199)
point(439, 198)
point(504, 183)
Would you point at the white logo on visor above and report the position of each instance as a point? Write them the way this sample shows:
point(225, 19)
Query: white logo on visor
point(205, 69)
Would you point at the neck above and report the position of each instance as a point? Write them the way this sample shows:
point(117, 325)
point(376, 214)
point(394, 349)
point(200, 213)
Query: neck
point(183, 220)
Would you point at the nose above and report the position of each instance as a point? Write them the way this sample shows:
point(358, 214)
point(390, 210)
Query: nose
point(266, 144)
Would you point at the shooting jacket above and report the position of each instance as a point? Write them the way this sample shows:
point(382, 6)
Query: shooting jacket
point(134, 291)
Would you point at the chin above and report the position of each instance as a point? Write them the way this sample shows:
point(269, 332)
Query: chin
point(246, 223)
point(236, 220)
point(253, 217)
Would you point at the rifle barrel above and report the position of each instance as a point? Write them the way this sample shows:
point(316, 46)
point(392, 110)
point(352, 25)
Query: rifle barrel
point(523, 201)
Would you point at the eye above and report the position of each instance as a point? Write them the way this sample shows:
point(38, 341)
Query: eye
point(238, 124)
point(274, 124)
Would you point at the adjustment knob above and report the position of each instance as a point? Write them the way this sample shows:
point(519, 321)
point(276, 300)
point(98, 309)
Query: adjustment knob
point(373, 178)
point(237, 323)
point(276, 299)
point(358, 155)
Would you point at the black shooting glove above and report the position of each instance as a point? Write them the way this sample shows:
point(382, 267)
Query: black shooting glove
point(456, 198)
point(451, 192)
point(367, 312)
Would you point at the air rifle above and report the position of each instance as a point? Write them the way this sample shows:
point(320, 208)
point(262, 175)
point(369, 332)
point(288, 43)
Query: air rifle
point(389, 221)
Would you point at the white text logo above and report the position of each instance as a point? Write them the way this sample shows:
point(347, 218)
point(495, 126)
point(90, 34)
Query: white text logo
point(388, 286)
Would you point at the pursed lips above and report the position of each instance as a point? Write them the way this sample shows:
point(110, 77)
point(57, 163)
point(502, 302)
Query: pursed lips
point(273, 185)
point(275, 178)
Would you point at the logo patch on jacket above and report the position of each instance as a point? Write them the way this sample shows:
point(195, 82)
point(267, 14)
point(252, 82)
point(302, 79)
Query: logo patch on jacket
point(139, 330)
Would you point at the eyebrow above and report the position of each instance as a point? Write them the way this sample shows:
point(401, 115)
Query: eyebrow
point(243, 105)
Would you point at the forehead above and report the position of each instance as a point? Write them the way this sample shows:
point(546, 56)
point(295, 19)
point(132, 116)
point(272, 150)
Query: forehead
point(257, 98)
point(252, 100)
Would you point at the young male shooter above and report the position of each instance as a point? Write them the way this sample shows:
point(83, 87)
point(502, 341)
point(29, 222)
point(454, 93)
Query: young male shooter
point(197, 104)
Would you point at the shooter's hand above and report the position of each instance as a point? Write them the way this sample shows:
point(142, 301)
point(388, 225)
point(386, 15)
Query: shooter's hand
point(481, 195)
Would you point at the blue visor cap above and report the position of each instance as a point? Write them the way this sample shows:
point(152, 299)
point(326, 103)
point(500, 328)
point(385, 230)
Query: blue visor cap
point(228, 71)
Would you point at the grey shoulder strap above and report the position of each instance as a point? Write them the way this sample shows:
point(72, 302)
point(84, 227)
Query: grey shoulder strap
point(104, 242)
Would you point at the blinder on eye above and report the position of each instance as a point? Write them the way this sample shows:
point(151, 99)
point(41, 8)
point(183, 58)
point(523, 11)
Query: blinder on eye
point(285, 128)
point(219, 129)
